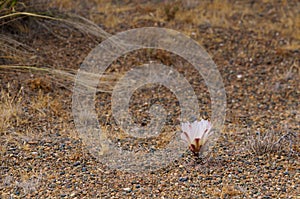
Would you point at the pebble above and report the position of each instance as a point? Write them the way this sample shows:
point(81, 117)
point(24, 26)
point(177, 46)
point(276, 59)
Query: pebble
point(127, 189)
point(73, 194)
point(84, 169)
point(183, 179)
point(76, 164)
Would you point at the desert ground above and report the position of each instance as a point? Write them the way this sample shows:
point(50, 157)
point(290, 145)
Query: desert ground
point(255, 46)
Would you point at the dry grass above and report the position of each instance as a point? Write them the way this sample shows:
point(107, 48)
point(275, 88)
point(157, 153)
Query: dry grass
point(64, 78)
point(271, 142)
point(13, 50)
point(17, 56)
point(216, 13)
point(256, 17)
point(29, 182)
point(73, 21)
point(10, 108)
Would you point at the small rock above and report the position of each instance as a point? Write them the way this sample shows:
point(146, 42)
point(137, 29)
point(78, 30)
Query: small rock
point(266, 197)
point(127, 189)
point(73, 194)
point(76, 164)
point(183, 179)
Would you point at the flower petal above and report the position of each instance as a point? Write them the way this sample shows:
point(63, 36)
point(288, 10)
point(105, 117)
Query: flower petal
point(185, 137)
point(196, 134)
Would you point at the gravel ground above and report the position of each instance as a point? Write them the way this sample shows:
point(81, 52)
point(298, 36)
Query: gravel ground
point(256, 49)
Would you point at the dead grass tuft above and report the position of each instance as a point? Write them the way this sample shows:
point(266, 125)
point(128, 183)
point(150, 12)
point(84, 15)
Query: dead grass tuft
point(44, 103)
point(271, 142)
point(10, 108)
point(229, 191)
point(13, 51)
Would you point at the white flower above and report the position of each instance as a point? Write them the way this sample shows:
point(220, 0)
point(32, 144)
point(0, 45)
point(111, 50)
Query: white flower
point(196, 134)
